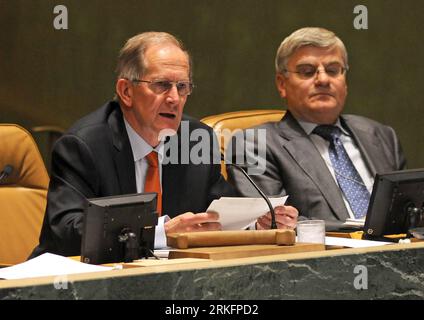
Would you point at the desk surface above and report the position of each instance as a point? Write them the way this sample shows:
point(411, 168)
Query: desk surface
point(392, 271)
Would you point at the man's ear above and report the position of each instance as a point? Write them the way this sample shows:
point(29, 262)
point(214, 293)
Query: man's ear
point(280, 82)
point(124, 90)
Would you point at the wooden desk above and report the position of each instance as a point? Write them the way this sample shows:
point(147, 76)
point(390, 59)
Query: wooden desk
point(393, 271)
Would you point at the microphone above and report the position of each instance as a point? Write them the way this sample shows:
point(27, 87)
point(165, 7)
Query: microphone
point(8, 169)
point(271, 209)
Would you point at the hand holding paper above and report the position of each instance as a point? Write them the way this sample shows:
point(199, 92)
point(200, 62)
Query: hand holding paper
point(285, 218)
point(240, 213)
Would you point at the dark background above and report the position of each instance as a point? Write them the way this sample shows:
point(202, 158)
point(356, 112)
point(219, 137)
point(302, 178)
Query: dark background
point(54, 77)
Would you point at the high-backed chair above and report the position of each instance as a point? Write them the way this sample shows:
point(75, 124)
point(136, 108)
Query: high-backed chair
point(45, 137)
point(23, 194)
point(227, 122)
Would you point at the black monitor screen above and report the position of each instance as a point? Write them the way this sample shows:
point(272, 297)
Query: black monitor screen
point(396, 203)
point(119, 228)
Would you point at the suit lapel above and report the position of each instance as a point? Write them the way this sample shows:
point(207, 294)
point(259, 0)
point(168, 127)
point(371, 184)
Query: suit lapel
point(371, 150)
point(122, 153)
point(304, 152)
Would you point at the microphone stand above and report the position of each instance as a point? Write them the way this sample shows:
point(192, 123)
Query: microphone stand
point(271, 209)
point(6, 172)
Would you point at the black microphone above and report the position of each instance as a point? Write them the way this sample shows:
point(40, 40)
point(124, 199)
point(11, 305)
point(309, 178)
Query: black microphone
point(271, 209)
point(8, 169)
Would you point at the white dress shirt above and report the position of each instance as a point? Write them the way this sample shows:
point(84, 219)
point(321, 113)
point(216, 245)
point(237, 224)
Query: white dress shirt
point(352, 150)
point(141, 149)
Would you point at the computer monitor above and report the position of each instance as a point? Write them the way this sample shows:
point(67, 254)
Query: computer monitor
point(119, 228)
point(396, 204)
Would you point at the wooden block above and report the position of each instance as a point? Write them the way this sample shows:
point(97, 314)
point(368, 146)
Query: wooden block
point(4, 265)
point(228, 238)
point(231, 252)
point(161, 262)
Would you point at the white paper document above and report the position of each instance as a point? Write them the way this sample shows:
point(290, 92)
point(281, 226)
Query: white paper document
point(48, 264)
point(353, 243)
point(162, 253)
point(239, 213)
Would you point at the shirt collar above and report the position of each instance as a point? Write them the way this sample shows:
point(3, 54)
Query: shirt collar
point(309, 127)
point(140, 147)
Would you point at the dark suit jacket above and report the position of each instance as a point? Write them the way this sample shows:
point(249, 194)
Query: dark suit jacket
point(295, 167)
point(94, 159)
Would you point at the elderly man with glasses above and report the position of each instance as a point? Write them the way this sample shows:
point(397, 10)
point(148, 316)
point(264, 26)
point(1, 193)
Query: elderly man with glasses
point(123, 148)
point(324, 160)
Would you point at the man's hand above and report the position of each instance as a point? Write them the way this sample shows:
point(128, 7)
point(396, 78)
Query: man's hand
point(285, 217)
point(190, 222)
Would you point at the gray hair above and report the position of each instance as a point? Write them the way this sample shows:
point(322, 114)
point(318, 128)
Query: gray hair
point(316, 37)
point(131, 64)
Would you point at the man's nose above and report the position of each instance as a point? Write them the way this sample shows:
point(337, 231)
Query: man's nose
point(321, 77)
point(172, 94)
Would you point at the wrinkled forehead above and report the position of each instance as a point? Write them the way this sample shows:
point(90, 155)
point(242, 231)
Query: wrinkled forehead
point(166, 56)
point(316, 55)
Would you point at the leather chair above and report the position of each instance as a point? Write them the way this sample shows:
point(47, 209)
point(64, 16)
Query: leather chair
point(23, 194)
point(230, 121)
point(45, 137)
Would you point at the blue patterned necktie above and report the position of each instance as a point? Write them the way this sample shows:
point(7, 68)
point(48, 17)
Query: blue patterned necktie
point(347, 176)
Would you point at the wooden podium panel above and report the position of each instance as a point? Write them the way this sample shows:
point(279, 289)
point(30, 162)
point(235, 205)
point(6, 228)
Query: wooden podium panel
point(231, 252)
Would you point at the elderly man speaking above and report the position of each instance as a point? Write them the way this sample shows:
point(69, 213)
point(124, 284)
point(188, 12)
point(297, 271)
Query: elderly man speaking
point(119, 149)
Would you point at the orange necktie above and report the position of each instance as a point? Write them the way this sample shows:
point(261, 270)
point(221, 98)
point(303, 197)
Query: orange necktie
point(153, 179)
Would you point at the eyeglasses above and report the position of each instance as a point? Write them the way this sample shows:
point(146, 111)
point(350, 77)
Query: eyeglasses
point(184, 88)
point(308, 71)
